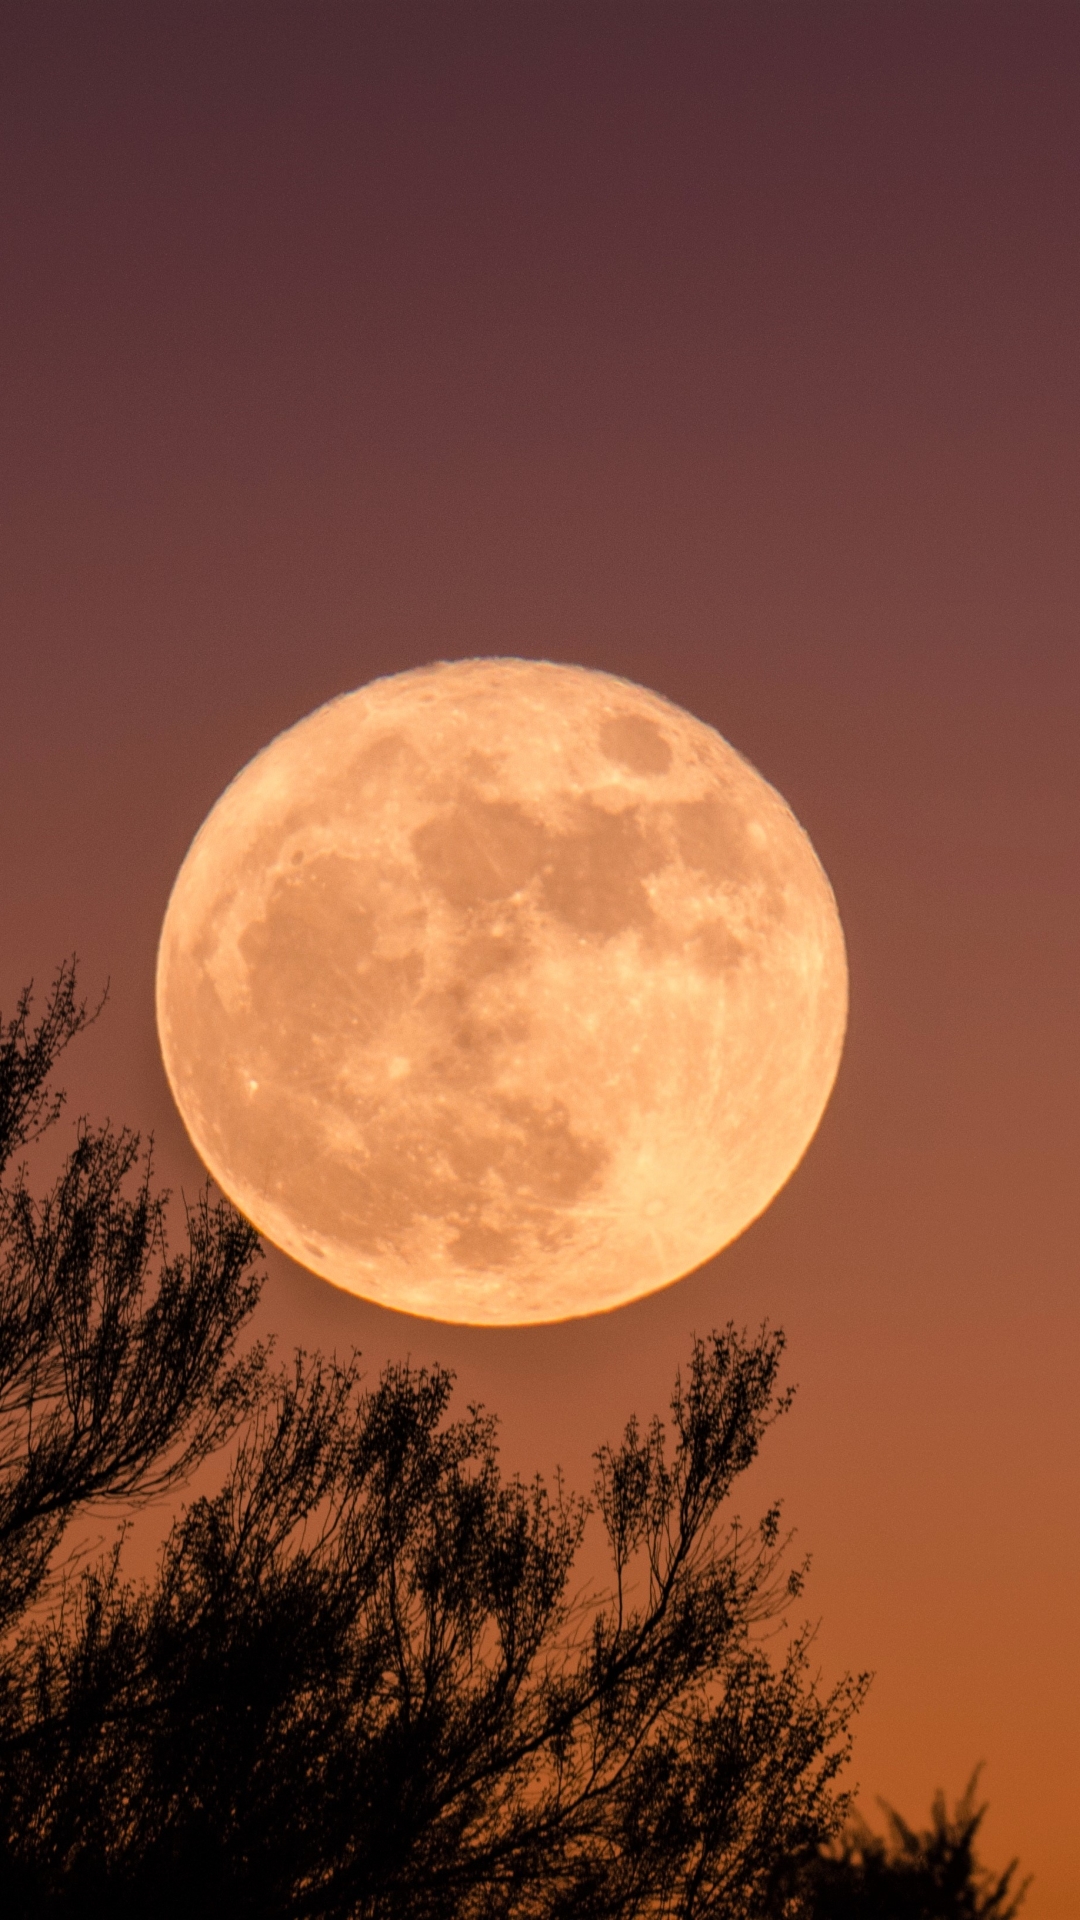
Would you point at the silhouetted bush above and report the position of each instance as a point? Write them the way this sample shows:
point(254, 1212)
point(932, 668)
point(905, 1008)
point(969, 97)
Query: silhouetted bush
point(361, 1682)
point(904, 1874)
point(118, 1372)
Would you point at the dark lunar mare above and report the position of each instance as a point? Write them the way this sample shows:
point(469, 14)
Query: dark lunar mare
point(502, 872)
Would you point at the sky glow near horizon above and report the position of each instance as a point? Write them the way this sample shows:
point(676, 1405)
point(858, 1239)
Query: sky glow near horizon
point(730, 350)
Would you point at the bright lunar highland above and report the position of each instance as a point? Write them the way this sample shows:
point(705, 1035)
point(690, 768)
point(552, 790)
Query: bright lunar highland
point(501, 991)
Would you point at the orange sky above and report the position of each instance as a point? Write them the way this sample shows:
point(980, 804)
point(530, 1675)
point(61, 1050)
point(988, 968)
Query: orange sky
point(732, 349)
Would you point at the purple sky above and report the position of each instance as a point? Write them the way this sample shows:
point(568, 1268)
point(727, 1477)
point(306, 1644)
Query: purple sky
point(732, 349)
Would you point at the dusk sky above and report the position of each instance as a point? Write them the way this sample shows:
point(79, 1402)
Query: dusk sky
point(731, 349)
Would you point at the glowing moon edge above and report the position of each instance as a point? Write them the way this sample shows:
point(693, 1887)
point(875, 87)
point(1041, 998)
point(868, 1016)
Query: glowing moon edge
point(501, 991)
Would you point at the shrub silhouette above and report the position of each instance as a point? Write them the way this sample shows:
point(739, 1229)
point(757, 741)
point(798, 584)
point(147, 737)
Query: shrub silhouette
point(905, 1874)
point(118, 1371)
point(362, 1681)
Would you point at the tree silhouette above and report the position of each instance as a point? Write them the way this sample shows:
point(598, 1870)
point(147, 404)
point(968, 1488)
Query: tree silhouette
point(906, 1874)
point(362, 1682)
point(117, 1366)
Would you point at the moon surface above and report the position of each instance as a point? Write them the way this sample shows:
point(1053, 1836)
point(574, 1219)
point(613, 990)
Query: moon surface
point(501, 991)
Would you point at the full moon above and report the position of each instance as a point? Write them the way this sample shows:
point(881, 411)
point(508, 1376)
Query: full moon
point(501, 991)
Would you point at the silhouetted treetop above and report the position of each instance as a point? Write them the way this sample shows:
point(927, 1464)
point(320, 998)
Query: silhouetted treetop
point(28, 1104)
point(118, 1364)
point(363, 1684)
point(908, 1874)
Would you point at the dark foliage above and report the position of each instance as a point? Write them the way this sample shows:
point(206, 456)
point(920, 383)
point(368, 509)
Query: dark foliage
point(359, 1685)
point(907, 1875)
point(117, 1367)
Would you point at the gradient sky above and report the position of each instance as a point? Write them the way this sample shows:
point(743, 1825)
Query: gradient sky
point(730, 348)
